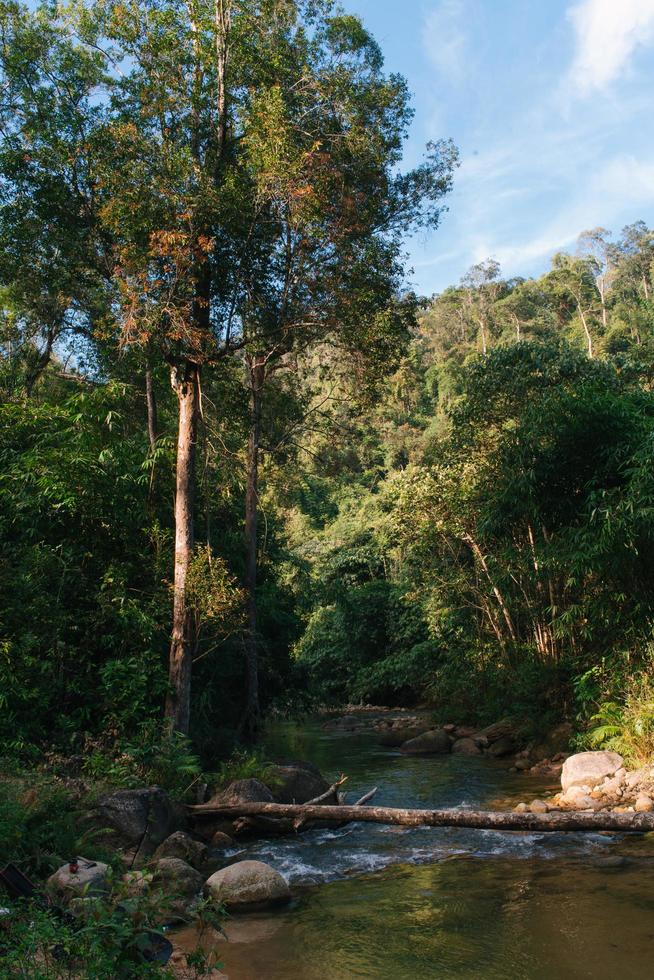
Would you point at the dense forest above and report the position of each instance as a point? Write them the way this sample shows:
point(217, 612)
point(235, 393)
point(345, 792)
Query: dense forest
point(226, 418)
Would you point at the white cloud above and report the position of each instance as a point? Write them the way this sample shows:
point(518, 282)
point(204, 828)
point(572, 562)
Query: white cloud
point(445, 39)
point(607, 34)
point(622, 181)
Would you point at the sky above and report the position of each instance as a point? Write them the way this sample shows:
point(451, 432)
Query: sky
point(551, 103)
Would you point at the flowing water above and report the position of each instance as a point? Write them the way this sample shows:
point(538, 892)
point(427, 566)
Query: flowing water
point(390, 902)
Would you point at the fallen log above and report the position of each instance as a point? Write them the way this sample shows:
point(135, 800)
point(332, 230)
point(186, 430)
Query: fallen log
point(475, 819)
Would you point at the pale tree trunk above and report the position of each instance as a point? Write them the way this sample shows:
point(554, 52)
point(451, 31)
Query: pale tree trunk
point(584, 322)
point(602, 295)
point(186, 384)
point(484, 345)
point(256, 380)
point(477, 552)
point(151, 403)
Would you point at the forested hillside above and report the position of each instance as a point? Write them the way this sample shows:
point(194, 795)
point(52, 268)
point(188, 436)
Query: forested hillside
point(484, 535)
point(471, 530)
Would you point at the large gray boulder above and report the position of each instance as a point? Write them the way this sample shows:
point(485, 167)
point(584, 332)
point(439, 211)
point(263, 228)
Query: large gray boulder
point(183, 846)
point(240, 791)
point(136, 818)
point(295, 784)
point(589, 768)
point(247, 884)
point(176, 877)
point(90, 880)
point(243, 791)
point(435, 742)
point(466, 746)
point(180, 884)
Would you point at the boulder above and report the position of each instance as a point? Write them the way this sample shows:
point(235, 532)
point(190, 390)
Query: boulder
point(579, 798)
point(466, 746)
point(523, 764)
point(295, 784)
point(136, 818)
point(589, 768)
point(500, 729)
point(435, 742)
point(501, 747)
point(247, 884)
point(181, 845)
point(521, 808)
point(90, 880)
point(395, 737)
point(643, 804)
point(538, 806)
point(137, 883)
point(243, 791)
point(179, 882)
point(221, 841)
point(464, 731)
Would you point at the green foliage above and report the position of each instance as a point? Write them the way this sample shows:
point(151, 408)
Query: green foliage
point(459, 508)
point(38, 817)
point(244, 764)
point(82, 611)
point(510, 509)
point(626, 726)
point(152, 757)
point(107, 942)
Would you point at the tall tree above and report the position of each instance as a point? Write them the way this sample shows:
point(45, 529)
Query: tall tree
point(573, 280)
point(596, 248)
point(206, 102)
point(482, 287)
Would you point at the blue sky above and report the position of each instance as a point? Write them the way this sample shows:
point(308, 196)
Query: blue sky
point(552, 105)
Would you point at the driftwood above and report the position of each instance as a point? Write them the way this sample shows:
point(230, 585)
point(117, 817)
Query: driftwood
point(269, 826)
point(475, 819)
point(331, 793)
point(367, 796)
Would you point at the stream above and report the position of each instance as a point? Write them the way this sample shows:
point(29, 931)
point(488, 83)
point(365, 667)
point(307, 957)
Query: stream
point(409, 903)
